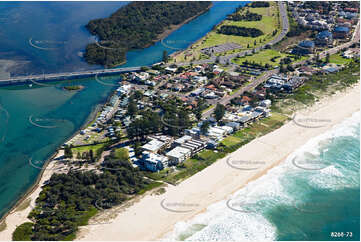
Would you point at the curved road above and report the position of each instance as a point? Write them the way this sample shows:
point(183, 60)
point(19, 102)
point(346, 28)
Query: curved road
point(227, 58)
point(259, 80)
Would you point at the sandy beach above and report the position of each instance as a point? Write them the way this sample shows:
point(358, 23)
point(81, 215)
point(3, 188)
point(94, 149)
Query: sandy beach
point(151, 217)
point(18, 216)
point(154, 216)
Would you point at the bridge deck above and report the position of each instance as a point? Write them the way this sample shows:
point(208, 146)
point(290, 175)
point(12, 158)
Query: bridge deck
point(61, 76)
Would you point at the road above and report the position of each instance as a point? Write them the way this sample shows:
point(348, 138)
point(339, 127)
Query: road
point(249, 87)
point(227, 58)
point(256, 82)
point(355, 39)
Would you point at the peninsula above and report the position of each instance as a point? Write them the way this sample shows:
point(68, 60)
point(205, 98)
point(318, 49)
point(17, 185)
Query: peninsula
point(136, 26)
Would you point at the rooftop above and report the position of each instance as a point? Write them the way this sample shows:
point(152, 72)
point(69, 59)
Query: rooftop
point(153, 145)
point(178, 152)
point(341, 29)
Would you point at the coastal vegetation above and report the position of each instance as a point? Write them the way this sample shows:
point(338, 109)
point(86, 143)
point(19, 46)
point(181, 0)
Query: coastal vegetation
point(69, 200)
point(316, 87)
point(2, 226)
point(259, 4)
point(248, 16)
point(25, 204)
point(240, 31)
point(135, 26)
point(73, 88)
point(23, 232)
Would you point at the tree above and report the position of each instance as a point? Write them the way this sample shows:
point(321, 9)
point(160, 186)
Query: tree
point(91, 156)
point(137, 149)
point(180, 69)
point(144, 68)
point(198, 114)
point(282, 69)
point(290, 68)
point(317, 58)
point(204, 127)
point(217, 59)
point(68, 153)
point(138, 94)
point(132, 108)
point(165, 56)
point(328, 58)
point(219, 112)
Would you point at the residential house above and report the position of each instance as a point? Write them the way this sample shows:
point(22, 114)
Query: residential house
point(341, 32)
point(324, 38)
point(305, 47)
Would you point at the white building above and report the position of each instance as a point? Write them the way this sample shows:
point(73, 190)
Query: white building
point(265, 103)
point(182, 140)
point(140, 76)
point(154, 162)
point(216, 133)
point(194, 145)
point(178, 154)
point(124, 89)
point(153, 146)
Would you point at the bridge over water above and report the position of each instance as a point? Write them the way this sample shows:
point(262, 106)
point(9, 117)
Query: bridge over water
point(18, 80)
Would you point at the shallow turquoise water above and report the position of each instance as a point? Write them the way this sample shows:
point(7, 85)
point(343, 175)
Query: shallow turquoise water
point(60, 22)
point(290, 203)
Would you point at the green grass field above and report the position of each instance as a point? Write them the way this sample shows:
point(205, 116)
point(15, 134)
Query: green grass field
point(338, 59)
point(87, 148)
point(231, 140)
point(97, 149)
point(262, 57)
point(121, 154)
point(265, 57)
point(269, 23)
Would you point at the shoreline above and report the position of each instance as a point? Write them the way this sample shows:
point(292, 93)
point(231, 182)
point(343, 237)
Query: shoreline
point(165, 34)
point(14, 218)
point(219, 181)
point(173, 28)
point(39, 182)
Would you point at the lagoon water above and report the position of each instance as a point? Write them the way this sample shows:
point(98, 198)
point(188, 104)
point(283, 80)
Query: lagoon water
point(35, 120)
point(291, 203)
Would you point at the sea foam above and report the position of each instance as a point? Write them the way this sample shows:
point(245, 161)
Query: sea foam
point(285, 185)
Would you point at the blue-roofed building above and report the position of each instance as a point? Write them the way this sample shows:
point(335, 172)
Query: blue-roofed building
point(341, 32)
point(324, 38)
point(304, 48)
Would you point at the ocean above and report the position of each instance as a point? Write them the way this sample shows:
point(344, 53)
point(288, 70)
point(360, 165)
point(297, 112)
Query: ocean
point(313, 195)
point(35, 120)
